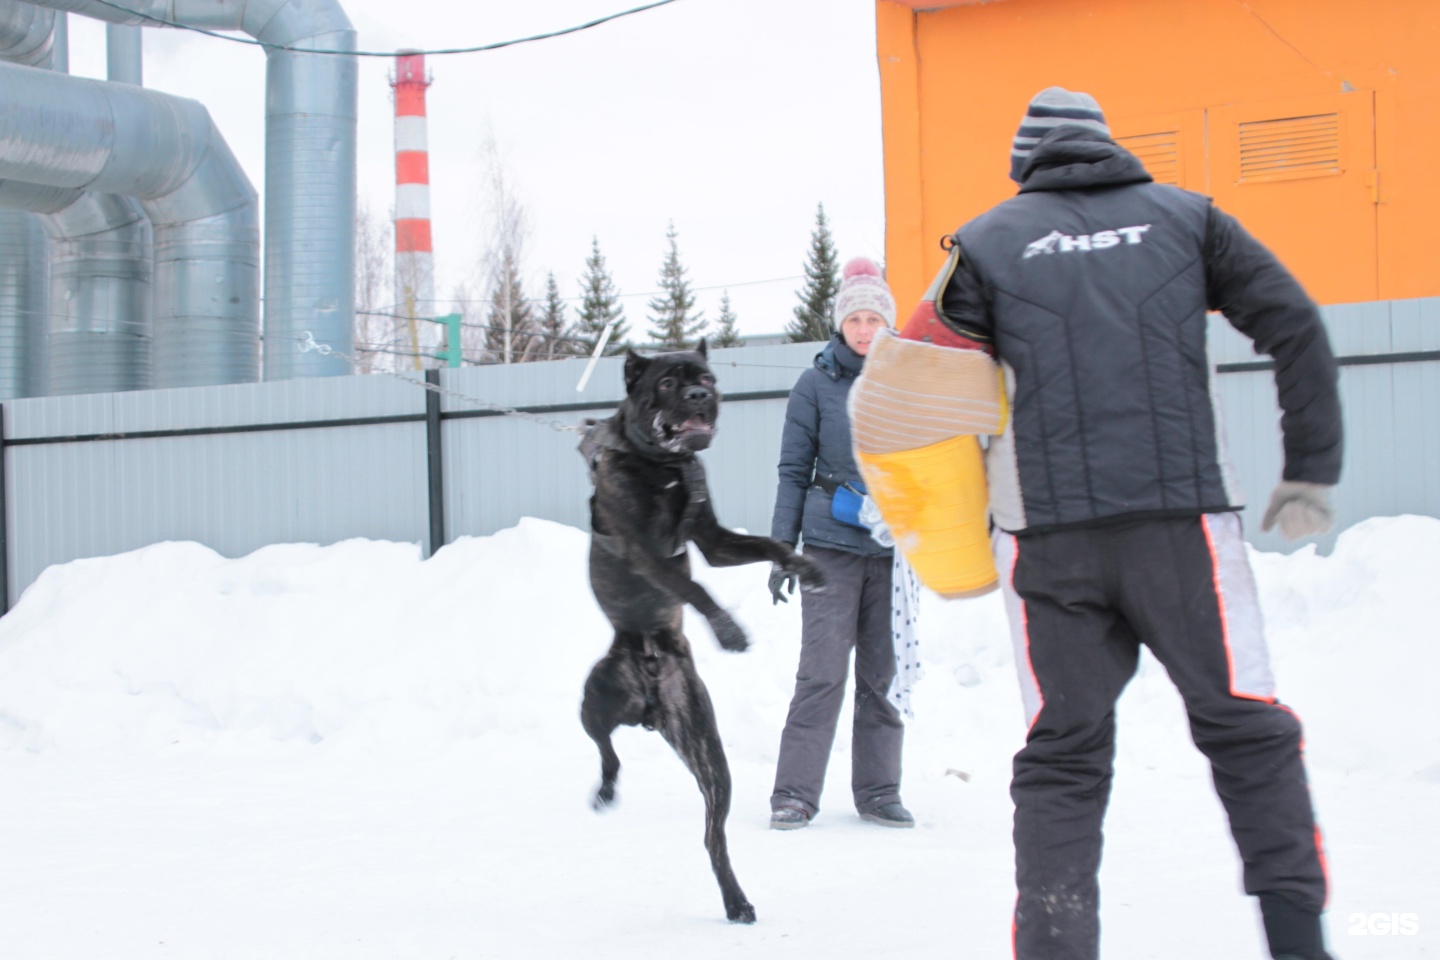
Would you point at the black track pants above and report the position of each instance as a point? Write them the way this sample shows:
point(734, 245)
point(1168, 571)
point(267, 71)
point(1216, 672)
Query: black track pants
point(1080, 604)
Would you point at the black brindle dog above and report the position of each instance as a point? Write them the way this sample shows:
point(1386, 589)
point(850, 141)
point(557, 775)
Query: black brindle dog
point(650, 500)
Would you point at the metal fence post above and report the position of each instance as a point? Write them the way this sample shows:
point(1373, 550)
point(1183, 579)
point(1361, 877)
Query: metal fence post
point(435, 462)
point(4, 528)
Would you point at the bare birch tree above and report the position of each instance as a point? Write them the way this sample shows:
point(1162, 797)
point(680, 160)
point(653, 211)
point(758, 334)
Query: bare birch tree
point(375, 334)
point(511, 322)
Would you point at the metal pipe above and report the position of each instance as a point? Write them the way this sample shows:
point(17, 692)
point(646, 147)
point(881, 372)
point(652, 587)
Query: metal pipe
point(92, 320)
point(24, 305)
point(71, 133)
point(309, 195)
point(60, 44)
point(87, 294)
point(124, 54)
point(309, 164)
point(101, 284)
point(207, 274)
point(91, 330)
point(26, 34)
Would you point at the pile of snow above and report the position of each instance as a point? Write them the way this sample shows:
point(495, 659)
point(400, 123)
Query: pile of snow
point(366, 693)
point(363, 645)
point(1354, 640)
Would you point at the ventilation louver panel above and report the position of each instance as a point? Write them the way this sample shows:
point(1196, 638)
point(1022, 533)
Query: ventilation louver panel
point(1159, 152)
point(1290, 148)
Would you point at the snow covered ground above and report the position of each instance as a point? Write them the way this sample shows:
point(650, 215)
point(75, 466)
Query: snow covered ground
point(347, 752)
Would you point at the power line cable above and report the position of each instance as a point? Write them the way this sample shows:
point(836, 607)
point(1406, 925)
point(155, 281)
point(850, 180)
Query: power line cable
point(379, 346)
point(621, 296)
point(161, 21)
point(488, 327)
point(308, 343)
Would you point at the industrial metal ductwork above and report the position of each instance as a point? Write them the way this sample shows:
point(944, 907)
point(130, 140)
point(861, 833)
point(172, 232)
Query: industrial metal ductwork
point(24, 305)
point(26, 36)
point(88, 291)
point(75, 312)
point(309, 163)
point(98, 313)
point(61, 133)
point(124, 54)
point(101, 289)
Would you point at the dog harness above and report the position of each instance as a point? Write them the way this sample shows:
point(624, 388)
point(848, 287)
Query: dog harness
point(603, 435)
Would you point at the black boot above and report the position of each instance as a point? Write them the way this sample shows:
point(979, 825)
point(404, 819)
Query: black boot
point(1292, 928)
point(891, 814)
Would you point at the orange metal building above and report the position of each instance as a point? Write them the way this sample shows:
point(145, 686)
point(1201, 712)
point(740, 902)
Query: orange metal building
point(1312, 121)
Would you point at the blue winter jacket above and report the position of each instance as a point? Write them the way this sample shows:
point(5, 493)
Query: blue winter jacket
point(816, 444)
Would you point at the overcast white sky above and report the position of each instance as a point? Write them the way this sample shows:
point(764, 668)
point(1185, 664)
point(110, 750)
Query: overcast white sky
point(731, 117)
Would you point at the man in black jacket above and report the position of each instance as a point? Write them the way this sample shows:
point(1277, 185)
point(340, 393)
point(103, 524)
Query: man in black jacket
point(1115, 506)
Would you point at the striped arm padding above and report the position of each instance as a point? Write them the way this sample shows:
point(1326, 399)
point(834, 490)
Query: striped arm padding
point(914, 414)
point(913, 394)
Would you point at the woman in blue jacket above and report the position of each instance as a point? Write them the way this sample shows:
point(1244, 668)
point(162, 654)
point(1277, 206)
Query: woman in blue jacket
point(854, 612)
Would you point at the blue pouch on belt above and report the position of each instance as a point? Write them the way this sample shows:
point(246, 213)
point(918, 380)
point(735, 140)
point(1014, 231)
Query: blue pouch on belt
point(845, 502)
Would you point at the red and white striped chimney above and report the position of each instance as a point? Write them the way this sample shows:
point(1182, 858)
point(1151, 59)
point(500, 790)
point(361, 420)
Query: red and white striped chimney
point(414, 255)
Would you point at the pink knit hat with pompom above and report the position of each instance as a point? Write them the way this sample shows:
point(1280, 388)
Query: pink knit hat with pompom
point(863, 288)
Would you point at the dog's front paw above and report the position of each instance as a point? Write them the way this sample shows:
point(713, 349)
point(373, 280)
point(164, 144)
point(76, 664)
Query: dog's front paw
point(728, 634)
point(604, 798)
point(812, 578)
point(741, 912)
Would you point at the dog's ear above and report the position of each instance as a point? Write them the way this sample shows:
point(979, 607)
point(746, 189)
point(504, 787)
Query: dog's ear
point(703, 349)
point(634, 369)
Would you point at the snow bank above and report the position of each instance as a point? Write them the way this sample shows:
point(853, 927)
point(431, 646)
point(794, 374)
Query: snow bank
point(362, 646)
point(1356, 646)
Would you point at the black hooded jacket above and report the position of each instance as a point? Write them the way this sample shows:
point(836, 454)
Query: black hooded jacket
point(1093, 285)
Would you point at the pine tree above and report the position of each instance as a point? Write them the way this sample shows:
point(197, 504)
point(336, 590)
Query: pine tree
point(813, 319)
point(672, 325)
point(508, 298)
point(555, 332)
point(600, 306)
point(726, 334)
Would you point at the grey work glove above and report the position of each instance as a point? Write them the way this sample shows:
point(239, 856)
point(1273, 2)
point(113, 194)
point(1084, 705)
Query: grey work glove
point(1300, 509)
point(782, 581)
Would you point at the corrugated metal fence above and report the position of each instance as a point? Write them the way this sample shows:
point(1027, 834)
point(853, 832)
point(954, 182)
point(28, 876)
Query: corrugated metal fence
point(326, 459)
point(1390, 393)
point(238, 467)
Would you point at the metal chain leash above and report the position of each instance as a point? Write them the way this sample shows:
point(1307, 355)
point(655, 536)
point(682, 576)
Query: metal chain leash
point(309, 343)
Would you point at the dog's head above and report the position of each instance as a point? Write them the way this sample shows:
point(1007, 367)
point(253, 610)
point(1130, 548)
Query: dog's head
point(671, 399)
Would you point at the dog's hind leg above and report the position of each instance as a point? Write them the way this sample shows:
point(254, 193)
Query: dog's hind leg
point(609, 767)
point(687, 722)
point(614, 695)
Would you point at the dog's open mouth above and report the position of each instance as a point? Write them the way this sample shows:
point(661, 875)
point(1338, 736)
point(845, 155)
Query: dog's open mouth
point(672, 435)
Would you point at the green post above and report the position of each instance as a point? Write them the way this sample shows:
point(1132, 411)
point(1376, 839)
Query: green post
point(452, 353)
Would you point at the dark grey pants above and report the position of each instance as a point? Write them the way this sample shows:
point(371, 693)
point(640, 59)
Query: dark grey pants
point(852, 613)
